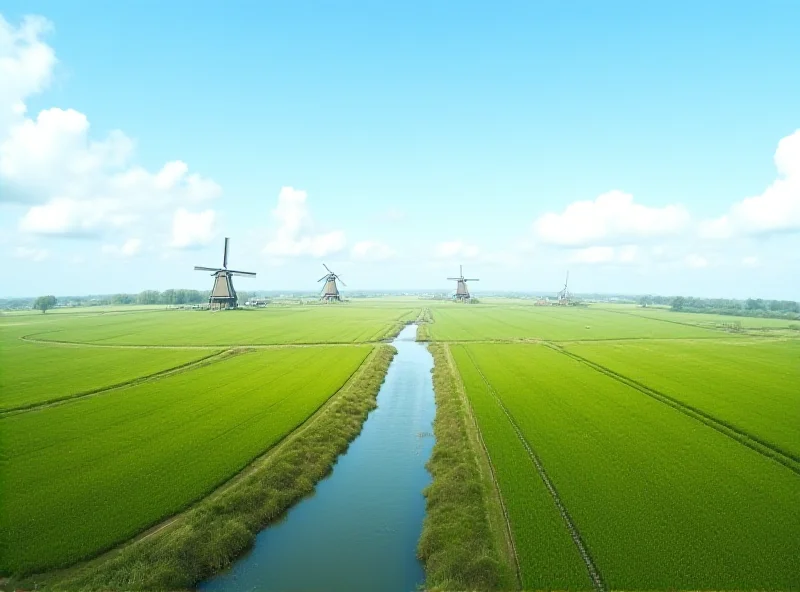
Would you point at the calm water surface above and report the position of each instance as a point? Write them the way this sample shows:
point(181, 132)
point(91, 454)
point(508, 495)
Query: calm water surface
point(359, 531)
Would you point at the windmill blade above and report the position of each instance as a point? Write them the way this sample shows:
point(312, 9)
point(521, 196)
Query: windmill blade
point(340, 279)
point(455, 279)
point(242, 273)
point(225, 256)
point(199, 268)
point(471, 280)
point(324, 277)
point(328, 268)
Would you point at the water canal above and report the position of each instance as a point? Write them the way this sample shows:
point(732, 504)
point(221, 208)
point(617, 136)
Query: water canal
point(359, 530)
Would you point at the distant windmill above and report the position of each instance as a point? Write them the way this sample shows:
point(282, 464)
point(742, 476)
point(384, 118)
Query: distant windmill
point(564, 296)
point(462, 294)
point(330, 293)
point(222, 294)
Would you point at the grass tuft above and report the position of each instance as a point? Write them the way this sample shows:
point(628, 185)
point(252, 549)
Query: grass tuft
point(458, 545)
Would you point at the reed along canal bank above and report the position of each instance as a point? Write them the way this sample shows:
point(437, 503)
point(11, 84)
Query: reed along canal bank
point(360, 528)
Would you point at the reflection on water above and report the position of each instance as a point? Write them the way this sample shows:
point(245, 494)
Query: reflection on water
point(359, 531)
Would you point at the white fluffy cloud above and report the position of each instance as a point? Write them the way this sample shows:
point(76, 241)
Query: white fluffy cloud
point(611, 219)
point(371, 251)
point(297, 234)
point(193, 229)
point(73, 184)
point(129, 248)
point(777, 209)
point(456, 249)
point(26, 66)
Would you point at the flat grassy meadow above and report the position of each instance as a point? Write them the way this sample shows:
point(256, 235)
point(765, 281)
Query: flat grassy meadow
point(307, 324)
point(607, 443)
point(83, 476)
point(35, 373)
point(661, 500)
point(752, 385)
point(496, 322)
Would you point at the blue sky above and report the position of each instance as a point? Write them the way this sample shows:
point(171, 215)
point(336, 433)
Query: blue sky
point(402, 139)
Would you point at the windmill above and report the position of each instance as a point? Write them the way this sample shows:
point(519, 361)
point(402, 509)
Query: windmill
point(222, 294)
point(330, 293)
point(564, 296)
point(462, 294)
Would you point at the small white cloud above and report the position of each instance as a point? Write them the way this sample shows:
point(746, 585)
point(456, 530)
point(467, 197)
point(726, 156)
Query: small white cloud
point(456, 250)
point(371, 251)
point(695, 261)
point(193, 229)
point(777, 209)
point(129, 248)
point(751, 262)
point(31, 254)
point(296, 234)
point(611, 219)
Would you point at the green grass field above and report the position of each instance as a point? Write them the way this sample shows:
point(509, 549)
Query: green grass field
point(661, 500)
point(33, 373)
point(292, 324)
point(754, 386)
point(494, 322)
point(83, 476)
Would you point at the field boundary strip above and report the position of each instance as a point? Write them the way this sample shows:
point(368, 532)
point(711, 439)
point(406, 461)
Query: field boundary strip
point(63, 343)
point(594, 573)
point(485, 450)
point(639, 316)
point(785, 458)
point(211, 358)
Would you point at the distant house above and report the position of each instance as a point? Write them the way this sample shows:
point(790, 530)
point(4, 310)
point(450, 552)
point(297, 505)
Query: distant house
point(257, 302)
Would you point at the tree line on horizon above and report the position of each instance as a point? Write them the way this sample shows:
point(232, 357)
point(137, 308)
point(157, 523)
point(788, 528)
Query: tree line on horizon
point(751, 307)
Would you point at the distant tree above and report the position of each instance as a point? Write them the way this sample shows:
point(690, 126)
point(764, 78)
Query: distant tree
point(44, 303)
point(678, 303)
point(754, 304)
point(148, 297)
point(645, 301)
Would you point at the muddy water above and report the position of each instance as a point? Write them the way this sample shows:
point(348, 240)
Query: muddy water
point(360, 529)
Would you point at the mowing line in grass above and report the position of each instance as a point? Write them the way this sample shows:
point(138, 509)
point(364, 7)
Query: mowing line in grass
point(591, 567)
point(62, 400)
point(786, 458)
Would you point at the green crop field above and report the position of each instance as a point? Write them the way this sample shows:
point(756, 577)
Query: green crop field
point(494, 322)
point(596, 407)
point(754, 386)
point(82, 476)
point(278, 325)
point(660, 499)
point(33, 373)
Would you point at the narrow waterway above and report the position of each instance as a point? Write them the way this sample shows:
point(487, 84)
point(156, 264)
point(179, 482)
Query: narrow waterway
point(359, 530)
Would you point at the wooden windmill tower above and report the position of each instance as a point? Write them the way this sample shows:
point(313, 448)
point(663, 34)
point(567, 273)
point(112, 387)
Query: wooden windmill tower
point(330, 292)
point(564, 297)
point(222, 294)
point(462, 294)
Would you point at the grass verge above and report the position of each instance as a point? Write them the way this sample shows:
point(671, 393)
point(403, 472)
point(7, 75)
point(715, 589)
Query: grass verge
point(464, 542)
point(208, 538)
